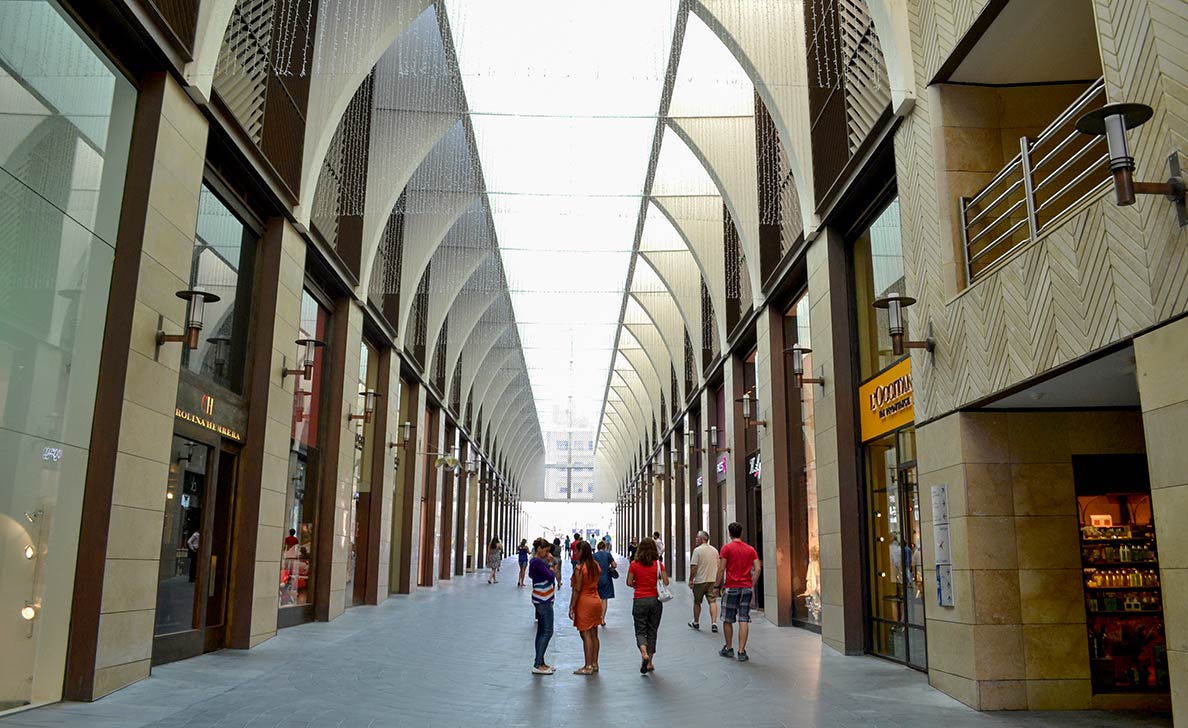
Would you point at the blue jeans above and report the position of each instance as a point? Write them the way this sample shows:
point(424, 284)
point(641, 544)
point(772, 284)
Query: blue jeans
point(544, 630)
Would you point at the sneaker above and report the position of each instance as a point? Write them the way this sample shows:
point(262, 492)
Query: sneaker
point(695, 625)
point(742, 657)
point(714, 628)
point(726, 652)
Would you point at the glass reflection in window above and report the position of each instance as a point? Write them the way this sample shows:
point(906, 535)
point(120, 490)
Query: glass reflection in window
point(878, 270)
point(222, 265)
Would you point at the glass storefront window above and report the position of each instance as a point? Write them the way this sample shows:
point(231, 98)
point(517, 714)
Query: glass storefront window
point(65, 128)
point(806, 602)
point(222, 264)
point(301, 504)
point(878, 270)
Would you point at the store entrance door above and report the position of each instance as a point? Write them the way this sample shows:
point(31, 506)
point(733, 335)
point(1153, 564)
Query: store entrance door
point(192, 585)
point(897, 578)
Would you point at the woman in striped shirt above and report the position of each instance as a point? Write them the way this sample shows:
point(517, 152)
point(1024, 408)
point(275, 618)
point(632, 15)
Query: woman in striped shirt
point(544, 581)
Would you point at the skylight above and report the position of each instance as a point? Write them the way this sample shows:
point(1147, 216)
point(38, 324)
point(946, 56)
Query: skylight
point(563, 98)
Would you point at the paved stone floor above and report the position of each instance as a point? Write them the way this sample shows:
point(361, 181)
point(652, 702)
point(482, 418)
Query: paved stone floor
point(459, 655)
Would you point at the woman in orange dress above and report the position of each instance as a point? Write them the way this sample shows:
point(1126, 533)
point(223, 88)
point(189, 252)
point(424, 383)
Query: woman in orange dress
point(585, 608)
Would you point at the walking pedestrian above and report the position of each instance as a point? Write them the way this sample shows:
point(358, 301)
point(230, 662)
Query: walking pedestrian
point(556, 552)
point(522, 556)
point(632, 548)
point(543, 580)
point(494, 559)
point(573, 548)
point(659, 545)
point(738, 568)
point(646, 610)
point(585, 608)
point(606, 580)
point(703, 579)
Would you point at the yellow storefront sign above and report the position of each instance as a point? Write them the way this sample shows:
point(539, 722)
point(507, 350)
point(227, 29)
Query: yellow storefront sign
point(886, 402)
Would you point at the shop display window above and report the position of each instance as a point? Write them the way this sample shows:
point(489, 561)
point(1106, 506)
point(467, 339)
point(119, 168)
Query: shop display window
point(1123, 597)
point(806, 598)
point(65, 129)
point(298, 544)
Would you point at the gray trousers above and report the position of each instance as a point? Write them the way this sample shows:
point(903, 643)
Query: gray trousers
point(647, 612)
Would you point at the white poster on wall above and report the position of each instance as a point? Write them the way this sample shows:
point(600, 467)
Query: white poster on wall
point(942, 552)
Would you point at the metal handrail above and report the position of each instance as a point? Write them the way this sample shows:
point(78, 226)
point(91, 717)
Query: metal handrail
point(1035, 170)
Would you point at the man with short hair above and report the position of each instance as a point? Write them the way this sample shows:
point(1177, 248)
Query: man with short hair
point(659, 545)
point(543, 582)
point(738, 571)
point(703, 577)
point(573, 548)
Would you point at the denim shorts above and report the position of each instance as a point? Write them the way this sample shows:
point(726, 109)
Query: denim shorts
point(736, 605)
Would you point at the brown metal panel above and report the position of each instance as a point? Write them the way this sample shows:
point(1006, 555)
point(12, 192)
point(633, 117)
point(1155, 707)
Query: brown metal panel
point(87, 601)
point(780, 427)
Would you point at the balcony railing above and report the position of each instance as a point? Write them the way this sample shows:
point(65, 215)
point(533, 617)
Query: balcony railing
point(1051, 175)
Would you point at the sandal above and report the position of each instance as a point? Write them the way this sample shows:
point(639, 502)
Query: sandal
point(587, 670)
point(643, 666)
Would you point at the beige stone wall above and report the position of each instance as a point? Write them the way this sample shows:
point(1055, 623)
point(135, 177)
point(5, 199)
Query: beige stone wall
point(472, 519)
point(829, 515)
point(1160, 357)
point(129, 599)
point(1098, 278)
point(1016, 636)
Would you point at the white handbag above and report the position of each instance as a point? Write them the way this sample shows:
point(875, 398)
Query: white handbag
point(663, 593)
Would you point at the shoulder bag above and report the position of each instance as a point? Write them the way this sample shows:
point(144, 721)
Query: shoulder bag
point(663, 593)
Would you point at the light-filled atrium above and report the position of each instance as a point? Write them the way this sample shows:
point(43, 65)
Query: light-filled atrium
point(407, 362)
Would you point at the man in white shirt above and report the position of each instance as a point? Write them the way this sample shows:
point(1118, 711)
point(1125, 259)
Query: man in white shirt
point(703, 575)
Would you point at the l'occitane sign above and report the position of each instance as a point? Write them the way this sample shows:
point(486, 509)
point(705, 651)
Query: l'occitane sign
point(886, 401)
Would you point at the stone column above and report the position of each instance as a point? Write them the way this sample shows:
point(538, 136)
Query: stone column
point(680, 475)
point(1163, 389)
point(735, 438)
point(115, 593)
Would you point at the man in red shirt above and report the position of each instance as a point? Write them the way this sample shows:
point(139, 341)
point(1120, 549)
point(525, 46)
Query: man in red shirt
point(738, 571)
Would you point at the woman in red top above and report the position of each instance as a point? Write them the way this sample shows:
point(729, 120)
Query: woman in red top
point(585, 608)
point(646, 610)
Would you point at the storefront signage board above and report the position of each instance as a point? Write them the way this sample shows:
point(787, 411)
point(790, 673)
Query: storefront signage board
point(207, 411)
point(721, 467)
point(886, 402)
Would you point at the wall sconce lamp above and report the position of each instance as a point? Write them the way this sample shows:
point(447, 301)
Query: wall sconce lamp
point(798, 378)
point(309, 350)
point(471, 467)
point(197, 300)
point(894, 303)
point(1113, 121)
point(369, 400)
point(747, 400)
point(713, 433)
